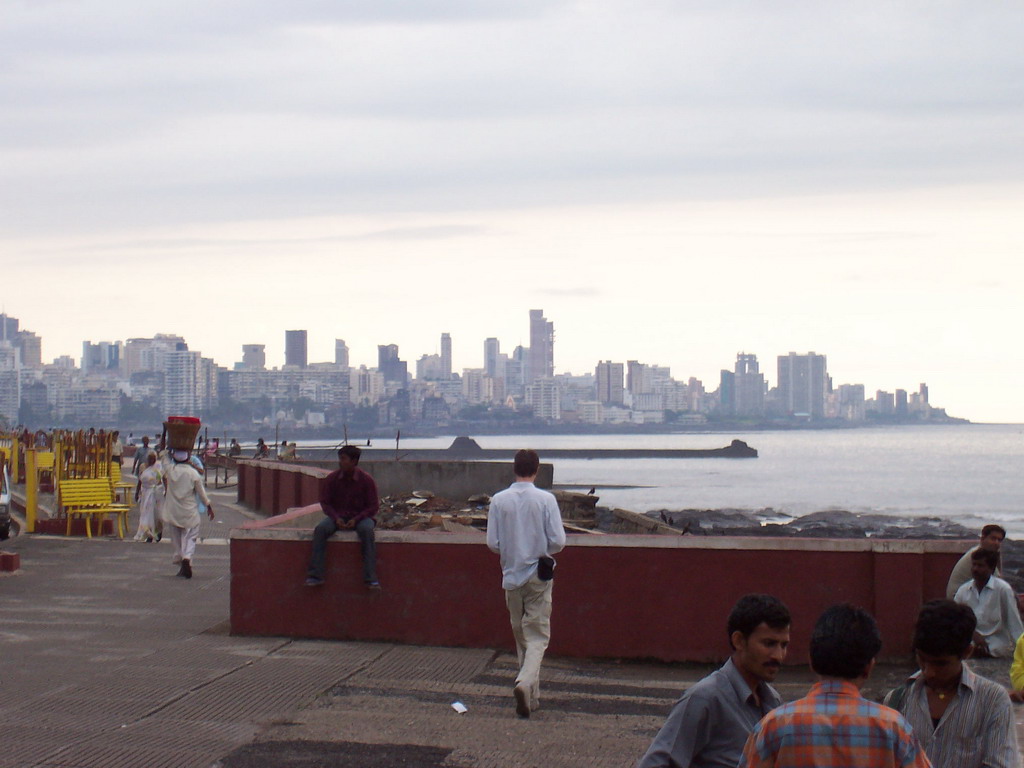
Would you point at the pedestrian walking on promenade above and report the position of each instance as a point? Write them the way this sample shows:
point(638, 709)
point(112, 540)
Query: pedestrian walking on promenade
point(184, 487)
point(525, 528)
point(147, 495)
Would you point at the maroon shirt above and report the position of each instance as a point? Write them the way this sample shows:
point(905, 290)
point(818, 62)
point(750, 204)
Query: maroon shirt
point(349, 498)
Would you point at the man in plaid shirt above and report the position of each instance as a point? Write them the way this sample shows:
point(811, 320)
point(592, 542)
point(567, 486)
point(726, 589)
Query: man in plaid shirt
point(834, 726)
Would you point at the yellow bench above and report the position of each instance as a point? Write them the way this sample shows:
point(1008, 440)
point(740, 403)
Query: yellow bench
point(92, 497)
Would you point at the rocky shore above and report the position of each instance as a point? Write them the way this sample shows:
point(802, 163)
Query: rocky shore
point(581, 513)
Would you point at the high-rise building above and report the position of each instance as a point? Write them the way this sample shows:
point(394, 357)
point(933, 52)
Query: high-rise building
point(803, 383)
point(340, 352)
point(10, 382)
point(446, 356)
point(102, 356)
point(31, 347)
point(254, 357)
point(610, 387)
point(749, 387)
point(541, 360)
point(8, 327)
point(492, 356)
point(295, 349)
point(389, 364)
point(544, 397)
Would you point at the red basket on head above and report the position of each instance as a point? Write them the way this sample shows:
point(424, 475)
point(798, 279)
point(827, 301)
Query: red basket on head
point(181, 432)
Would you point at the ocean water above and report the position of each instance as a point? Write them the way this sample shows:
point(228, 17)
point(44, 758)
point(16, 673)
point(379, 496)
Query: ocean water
point(971, 474)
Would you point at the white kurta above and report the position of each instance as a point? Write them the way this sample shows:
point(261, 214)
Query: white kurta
point(995, 607)
point(180, 508)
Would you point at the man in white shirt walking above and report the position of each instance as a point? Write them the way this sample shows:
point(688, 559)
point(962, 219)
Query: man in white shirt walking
point(524, 526)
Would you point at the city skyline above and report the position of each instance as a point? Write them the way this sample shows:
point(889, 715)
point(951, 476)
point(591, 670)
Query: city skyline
point(673, 183)
point(800, 388)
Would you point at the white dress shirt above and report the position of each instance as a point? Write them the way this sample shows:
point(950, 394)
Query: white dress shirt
point(995, 607)
point(523, 524)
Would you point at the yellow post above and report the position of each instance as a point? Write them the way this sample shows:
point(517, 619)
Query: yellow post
point(31, 489)
point(15, 458)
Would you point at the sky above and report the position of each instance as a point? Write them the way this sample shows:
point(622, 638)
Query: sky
point(671, 182)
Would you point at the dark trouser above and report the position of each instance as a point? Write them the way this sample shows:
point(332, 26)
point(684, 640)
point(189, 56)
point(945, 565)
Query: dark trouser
point(325, 529)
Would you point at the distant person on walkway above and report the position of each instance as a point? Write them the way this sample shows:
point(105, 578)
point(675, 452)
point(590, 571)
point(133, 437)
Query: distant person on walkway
point(142, 453)
point(834, 725)
point(994, 605)
point(234, 449)
point(262, 450)
point(992, 539)
point(525, 528)
point(116, 448)
point(287, 452)
point(184, 488)
point(147, 495)
point(961, 719)
point(709, 725)
point(348, 497)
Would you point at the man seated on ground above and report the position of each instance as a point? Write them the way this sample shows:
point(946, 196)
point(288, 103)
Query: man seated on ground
point(994, 606)
point(961, 719)
point(834, 725)
point(991, 538)
point(709, 724)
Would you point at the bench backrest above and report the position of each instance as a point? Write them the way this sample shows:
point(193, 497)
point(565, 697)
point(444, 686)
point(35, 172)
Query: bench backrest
point(86, 492)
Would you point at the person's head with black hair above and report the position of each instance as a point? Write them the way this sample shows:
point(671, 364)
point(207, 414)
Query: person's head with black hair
point(758, 628)
point(987, 556)
point(844, 643)
point(348, 458)
point(943, 638)
point(526, 463)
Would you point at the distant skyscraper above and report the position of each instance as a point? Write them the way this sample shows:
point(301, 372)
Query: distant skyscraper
point(295, 349)
point(254, 357)
point(492, 356)
point(102, 356)
point(541, 362)
point(749, 387)
point(8, 327)
point(31, 347)
point(609, 377)
point(803, 382)
point(446, 356)
point(340, 352)
point(390, 365)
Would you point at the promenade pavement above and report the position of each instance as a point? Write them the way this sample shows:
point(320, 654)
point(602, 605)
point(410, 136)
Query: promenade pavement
point(107, 659)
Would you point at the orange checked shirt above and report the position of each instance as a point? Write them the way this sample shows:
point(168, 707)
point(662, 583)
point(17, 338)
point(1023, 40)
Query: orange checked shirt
point(833, 727)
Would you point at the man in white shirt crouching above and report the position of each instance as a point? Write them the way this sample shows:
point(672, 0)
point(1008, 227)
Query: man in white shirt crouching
point(525, 527)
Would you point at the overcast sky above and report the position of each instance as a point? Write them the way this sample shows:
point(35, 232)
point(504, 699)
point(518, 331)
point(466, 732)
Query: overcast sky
point(672, 182)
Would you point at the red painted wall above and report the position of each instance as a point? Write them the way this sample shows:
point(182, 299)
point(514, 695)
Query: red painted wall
point(615, 596)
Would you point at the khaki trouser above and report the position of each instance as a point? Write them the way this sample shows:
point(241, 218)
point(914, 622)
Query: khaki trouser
point(529, 610)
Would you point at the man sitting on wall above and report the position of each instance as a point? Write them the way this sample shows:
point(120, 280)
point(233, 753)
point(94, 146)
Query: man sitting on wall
point(709, 724)
point(994, 605)
point(348, 496)
point(992, 539)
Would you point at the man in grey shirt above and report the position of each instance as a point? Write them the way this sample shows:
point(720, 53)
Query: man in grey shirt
point(708, 726)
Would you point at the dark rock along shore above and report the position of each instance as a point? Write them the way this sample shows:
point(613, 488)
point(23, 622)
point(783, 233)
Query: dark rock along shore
point(835, 524)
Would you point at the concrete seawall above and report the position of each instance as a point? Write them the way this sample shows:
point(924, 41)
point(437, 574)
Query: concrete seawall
point(621, 596)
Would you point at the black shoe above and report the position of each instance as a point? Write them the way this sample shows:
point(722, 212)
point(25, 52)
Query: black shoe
point(186, 570)
point(522, 697)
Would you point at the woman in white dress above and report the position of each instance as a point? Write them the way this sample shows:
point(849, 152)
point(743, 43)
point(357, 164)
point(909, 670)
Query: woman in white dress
point(147, 494)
